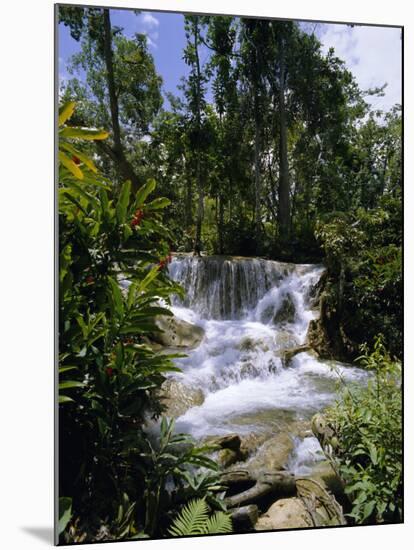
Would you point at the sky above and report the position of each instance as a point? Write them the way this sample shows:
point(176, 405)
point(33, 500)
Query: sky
point(373, 54)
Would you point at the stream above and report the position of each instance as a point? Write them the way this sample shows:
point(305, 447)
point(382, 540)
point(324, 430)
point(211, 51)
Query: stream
point(251, 310)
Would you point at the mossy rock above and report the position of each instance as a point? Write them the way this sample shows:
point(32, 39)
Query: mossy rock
point(177, 333)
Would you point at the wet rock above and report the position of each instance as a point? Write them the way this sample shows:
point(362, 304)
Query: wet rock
point(285, 340)
point(227, 457)
point(178, 398)
point(285, 513)
point(273, 455)
point(321, 505)
point(324, 473)
point(245, 517)
point(286, 312)
point(177, 333)
point(247, 344)
point(230, 441)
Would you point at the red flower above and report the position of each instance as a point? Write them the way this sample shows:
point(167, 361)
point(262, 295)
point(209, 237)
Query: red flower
point(169, 258)
point(76, 159)
point(109, 371)
point(136, 220)
point(90, 280)
point(161, 264)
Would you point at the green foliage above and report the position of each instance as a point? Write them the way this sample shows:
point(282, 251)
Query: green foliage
point(112, 278)
point(368, 425)
point(65, 513)
point(364, 289)
point(169, 468)
point(218, 170)
point(194, 520)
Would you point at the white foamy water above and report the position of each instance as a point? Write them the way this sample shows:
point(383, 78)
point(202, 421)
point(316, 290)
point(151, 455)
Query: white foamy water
point(307, 451)
point(250, 311)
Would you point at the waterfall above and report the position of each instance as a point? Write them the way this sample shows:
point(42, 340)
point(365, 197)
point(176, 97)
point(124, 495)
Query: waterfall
point(251, 310)
point(220, 287)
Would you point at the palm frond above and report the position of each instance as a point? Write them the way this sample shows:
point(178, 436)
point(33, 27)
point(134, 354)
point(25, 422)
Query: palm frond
point(194, 520)
point(220, 522)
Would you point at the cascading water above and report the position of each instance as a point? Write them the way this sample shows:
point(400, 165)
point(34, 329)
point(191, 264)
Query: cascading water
point(251, 310)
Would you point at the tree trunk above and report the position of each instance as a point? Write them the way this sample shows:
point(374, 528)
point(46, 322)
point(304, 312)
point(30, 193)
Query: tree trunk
point(278, 483)
point(188, 197)
point(117, 152)
point(257, 180)
point(284, 185)
point(220, 224)
point(199, 181)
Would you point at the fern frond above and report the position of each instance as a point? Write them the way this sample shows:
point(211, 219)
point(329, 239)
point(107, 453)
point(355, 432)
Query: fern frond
point(192, 519)
point(220, 522)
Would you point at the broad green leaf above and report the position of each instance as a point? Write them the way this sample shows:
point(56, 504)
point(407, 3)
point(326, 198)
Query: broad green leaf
point(368, 509)
point(158, 204)
point(83, 133)
point(116, 296)
point(373, 454)
point(88, 196)
point(123, 201)
point(70, 165)
point(65, 112)
point(131, 294)
point(150, 276)
point(64, 399)
point(65, 513)
point(144, 191)
point(65, 369)
point(68, 384)
point(83, 158)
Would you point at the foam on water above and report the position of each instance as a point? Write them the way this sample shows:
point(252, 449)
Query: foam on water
point(238, 365)
point(306, 452)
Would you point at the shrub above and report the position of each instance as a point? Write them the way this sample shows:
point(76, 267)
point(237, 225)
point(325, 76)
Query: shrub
point(364, 284)
point(113, 252)
point(368, 426)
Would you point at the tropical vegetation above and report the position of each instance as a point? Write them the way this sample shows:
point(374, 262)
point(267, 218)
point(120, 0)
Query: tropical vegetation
point(269, 149)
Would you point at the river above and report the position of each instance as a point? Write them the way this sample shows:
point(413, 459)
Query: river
point(251, 311)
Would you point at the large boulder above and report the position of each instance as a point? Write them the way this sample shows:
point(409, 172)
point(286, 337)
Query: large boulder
point(178, 398)
point(244, 518)
point(227, 457)
point(285, 513)
point(273, 455)
point(230, 451)
point(177, 333)
point(229, 441)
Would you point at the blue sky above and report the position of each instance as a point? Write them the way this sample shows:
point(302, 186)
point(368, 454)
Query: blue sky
point(373, 54)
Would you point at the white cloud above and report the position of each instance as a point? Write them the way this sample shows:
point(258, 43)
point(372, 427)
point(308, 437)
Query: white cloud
point(148, 25)
point(149, 21)
point(373, 54)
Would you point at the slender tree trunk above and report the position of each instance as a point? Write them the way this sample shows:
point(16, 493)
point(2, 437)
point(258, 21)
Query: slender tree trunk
point(118, 154)
point(257, 182)
point(199, 181)
point(221, 224)
point(257, 179)
point(188, 204)
point(284, 185)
